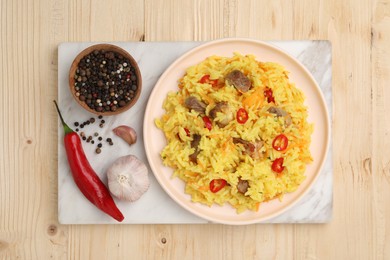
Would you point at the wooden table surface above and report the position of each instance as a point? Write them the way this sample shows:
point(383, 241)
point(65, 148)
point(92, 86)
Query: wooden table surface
point(30, 33)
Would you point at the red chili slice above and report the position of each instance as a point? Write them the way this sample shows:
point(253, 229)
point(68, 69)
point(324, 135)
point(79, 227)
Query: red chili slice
point(217, 184)
point(280, 142)
point(187, 134)
point(207, 122)
point(242, 116)
point(269, 95)
point(206, 80)
point(277, 165)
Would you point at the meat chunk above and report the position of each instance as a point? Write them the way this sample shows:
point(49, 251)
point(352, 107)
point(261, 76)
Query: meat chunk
point(194, 144)
point(242, 186)
point(252, 149)
point(193, 103)
point(239, 81)
point(222, 107)
point(281, 112)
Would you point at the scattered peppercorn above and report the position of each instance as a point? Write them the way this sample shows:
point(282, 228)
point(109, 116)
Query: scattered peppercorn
point(90, 138)
point(76, 123)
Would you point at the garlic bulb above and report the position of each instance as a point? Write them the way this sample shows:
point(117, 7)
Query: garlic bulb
point(128, 178)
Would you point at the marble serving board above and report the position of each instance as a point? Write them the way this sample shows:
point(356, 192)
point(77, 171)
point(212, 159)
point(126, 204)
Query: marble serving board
point(155, 206)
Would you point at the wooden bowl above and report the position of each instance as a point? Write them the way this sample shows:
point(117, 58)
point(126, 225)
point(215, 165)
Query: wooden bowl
point(108, 83)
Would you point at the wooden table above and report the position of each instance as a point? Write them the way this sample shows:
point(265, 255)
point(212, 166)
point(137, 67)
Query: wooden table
point(30, 34)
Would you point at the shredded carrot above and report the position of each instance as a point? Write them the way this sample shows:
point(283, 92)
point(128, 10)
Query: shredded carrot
point(257, 206)
point(255, 100)
point(203, 188)
point(193, 174)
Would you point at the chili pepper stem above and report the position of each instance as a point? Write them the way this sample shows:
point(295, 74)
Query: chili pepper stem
point(67, 129)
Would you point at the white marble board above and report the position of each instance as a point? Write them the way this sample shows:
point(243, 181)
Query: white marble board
point(156, 207)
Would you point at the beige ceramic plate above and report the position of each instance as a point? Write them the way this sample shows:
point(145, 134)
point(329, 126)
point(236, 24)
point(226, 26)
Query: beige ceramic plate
point(155, 141)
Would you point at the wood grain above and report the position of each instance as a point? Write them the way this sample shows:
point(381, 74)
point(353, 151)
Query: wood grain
point(30, 33)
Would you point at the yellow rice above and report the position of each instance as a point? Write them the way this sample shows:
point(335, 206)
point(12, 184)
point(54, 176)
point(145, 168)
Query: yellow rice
point(219, 157)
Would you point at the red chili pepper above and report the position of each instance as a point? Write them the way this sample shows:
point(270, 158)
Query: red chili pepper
point(84, 176)
point(206, 79)
point(207, 122)
point(280, 142)
point(269, 95)
point(277, 165)
point(242, 116)
point(217, 184)
point(187, 134)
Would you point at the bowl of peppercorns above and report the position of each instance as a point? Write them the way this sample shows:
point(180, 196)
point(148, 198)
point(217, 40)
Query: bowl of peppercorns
point(105, 79)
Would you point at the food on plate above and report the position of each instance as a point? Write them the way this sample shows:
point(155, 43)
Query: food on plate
point(237, 132)
point(127, 133)
point(84, 176)
point(128, 178)
point(194, 104)
point(239, 80)
point(226, 114)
